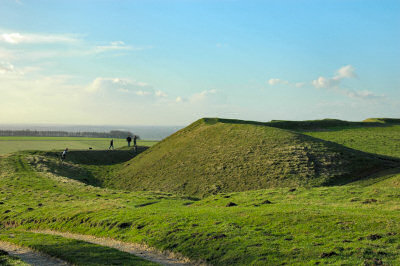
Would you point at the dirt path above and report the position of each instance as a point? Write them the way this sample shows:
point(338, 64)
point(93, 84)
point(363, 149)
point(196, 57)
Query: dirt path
point(30, 256)
point(151, 254)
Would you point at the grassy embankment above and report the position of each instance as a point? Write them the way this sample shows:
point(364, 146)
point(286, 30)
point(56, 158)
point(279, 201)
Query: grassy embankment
point(352, 224)
point(13, 144)
point(221, 155)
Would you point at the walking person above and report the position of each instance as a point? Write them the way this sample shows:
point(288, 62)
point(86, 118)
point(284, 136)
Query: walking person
point(134, 142)
point(64, 154)
point(129, 139)
point(111, 144)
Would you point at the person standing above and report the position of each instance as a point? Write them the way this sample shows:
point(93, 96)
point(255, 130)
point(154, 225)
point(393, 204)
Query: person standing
point(64, 154)
point(129, 139)
point(134, 142)
point(111, 144)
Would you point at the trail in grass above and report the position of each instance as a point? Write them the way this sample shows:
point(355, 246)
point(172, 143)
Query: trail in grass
point(30, 256)
point(151, 254)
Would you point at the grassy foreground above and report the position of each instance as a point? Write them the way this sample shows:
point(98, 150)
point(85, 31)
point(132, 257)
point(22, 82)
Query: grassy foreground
point(13, 144)
point(351, 224)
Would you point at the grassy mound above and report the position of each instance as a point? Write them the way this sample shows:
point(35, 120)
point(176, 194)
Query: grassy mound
point(383, 120)
point(220, 155)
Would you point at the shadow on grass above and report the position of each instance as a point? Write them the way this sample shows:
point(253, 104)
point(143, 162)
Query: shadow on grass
point(101, 157)
point(89, 166)
point(83, 253)
point(75, 251)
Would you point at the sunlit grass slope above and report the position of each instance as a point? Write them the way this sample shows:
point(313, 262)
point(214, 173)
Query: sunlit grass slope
point(220, 155)
point(378, 140)
point(344, 225)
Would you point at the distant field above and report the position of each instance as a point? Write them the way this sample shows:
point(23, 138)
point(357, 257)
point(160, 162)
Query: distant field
point(378, 140)
point(13, 144)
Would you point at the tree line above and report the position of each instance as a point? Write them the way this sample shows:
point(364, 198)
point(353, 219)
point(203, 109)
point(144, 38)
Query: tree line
point(118, 134)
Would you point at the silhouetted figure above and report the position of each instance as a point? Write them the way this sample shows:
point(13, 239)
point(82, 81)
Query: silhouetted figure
point(134, 142)
point(111, 144)
point(64, 154)
point(129, 139)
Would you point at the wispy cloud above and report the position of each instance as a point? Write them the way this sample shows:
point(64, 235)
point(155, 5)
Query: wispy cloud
point(19, 38)
point(113, 46)
point(199, 97)
point(111, 86)
point(275, 81)
point(119, 46)
point(345, 72)
point(362, 94)
point(332, 83)
point(6, 67)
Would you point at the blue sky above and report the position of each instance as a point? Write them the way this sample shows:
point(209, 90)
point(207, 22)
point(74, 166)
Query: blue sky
point(121, 62)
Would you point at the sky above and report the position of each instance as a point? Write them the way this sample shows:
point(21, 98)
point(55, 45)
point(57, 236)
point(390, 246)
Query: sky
point(171, 62)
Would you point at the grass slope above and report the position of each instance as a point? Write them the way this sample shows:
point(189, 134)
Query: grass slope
point(377, 140)
point(349, 225)
point(220, 155)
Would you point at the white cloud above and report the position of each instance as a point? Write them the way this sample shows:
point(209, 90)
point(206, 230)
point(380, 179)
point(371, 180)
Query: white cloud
point(119, 46)
point(143, 93)
point(101, 84)
point(17, 38)
point(333, 83)
point(326, 83)
point(202, 95)
point(275, 81)
point(112, 87)
point(365, 94)
point(345, 72)
point(113, 46)
point(6, 67)
point(160, 93)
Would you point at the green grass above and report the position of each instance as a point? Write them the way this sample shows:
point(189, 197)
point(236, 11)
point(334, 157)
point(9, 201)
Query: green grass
point(359, 223)
point(73, 251)
point(13, 144)
point(353, 224)
point(211, 156)
point(377, 140)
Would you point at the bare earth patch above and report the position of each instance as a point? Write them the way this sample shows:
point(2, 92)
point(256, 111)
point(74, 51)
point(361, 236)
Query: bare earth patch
point(148, 253)
point(30, 256)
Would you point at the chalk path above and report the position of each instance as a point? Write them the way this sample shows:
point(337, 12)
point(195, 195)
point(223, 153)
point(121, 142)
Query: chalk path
point(147, 253)
point(31, 256)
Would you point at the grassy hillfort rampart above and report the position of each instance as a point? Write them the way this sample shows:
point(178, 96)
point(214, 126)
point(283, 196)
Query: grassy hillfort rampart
point(222, 155)
point(218, 192)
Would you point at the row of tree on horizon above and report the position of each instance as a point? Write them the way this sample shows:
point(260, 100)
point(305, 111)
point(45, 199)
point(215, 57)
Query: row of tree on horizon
point(118, 134)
